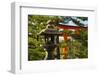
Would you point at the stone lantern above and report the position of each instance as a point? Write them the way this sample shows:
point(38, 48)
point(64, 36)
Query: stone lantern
point(51, 37)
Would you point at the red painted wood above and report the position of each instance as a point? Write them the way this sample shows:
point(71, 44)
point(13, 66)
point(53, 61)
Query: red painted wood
point(69, 27)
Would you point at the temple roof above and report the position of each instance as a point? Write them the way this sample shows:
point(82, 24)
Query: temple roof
point(71, 23)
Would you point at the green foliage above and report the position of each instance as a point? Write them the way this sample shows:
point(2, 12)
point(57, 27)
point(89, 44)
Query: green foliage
point(62, 44)
point(77, 47)
point(36, 54)
point(36, 23)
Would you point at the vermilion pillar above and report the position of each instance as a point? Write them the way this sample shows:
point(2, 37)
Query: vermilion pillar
point(65, 48)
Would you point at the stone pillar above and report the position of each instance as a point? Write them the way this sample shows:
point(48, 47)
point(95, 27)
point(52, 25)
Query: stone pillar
point(58, 50)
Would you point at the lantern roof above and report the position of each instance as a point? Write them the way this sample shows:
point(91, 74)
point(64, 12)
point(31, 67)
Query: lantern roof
point(49, 31)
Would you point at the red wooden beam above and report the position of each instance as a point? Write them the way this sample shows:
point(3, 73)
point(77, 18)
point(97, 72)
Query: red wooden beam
point(69, 27)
